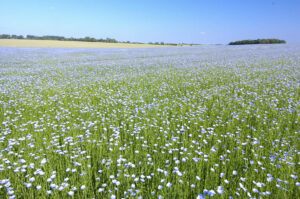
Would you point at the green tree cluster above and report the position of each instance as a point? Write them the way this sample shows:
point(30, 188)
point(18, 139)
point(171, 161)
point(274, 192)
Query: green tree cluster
point(163, 43)
point(258, 41)
point(87, 39)
point(59, 38)
point(6, 36)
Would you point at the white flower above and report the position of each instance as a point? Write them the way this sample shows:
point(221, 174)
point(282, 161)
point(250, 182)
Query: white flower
point(269, 179)
point(222, 175)
point(53, 186)
point(31, 179)
point(160, 187)
point(179, 173)
point(100, 189)
point(234, 172)
point(220, 190)
point(255, 190)
point(38, 187)
point(293, 176)
point(71, 193)
point(82, 187)
point(243, 179)
point(169, 184)
point(43, 161)
point(249, 195)
point(53, 176)
point(201, 196)
point(49, 180)
point(211, 193)
point(242, 186)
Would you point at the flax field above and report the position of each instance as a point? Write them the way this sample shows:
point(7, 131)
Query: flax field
point(173, 122)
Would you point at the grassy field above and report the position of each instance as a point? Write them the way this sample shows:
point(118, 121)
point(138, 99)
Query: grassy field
point(70, 44)
point(199, 122)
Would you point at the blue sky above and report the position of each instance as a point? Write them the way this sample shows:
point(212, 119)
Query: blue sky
point(202, 21)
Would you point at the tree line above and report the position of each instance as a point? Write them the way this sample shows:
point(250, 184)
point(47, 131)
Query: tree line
point(87, 39)
point(258, 41)
point(58, 38)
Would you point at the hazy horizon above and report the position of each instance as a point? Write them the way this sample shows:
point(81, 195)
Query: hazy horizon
point(201, 22)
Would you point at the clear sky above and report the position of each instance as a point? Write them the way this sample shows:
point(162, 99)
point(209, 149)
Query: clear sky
point(188, 21)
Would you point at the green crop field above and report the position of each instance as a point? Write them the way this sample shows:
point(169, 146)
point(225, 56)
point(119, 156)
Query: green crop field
point(188, 122)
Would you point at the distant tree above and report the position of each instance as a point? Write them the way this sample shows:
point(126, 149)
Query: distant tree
point(49, 37)
point(110, 40)
point(4, 36)
point(61, 38)
point(89, 39)
point(31, 37)
point(258, 41)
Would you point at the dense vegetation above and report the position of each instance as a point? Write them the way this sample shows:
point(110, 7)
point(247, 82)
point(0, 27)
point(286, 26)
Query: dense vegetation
point(59, 38)
point(199, 122)
point(87, 39)
point(258, 41)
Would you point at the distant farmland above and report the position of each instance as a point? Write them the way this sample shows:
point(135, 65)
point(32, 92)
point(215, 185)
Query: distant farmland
point(70, 44)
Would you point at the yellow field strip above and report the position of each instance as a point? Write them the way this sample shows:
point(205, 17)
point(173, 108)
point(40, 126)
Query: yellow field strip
point(70, 44)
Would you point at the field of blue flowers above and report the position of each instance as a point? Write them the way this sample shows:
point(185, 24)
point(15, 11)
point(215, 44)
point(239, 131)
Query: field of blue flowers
point(180, 122)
